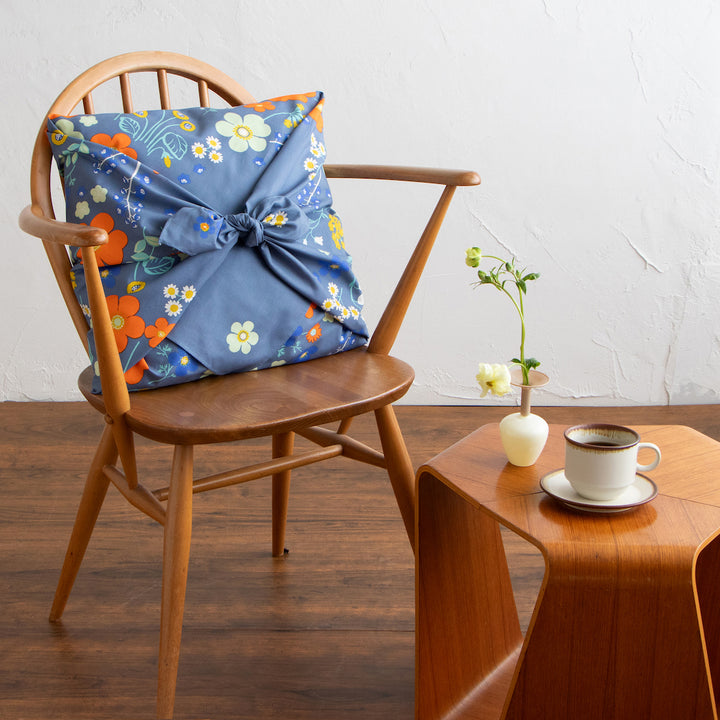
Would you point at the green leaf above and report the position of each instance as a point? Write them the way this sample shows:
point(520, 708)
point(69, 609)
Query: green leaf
point(129, 125)
point(523, 287)
point(175, 145)
point(531, 276)
point(140, 246)
point(531, 363)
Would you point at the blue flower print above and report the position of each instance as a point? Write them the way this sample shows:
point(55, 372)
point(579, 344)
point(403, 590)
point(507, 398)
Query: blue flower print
point(184, 179)
point(205, 225)
point(335, 267)
point(182, 363)
point(108, 276)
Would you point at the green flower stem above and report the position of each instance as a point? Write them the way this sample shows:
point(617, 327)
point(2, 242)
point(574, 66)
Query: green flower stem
point(521, 312)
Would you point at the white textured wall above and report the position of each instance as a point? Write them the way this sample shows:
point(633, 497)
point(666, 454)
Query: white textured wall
point(595, 127)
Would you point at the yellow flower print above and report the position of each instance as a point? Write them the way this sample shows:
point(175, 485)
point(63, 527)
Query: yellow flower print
point(141, 113)
point(135, 286)
point(337, 231)
point(187, 126)
point(65, 130)
point(179, 115)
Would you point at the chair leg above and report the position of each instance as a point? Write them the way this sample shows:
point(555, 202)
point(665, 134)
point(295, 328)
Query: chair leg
point(282, 445)
point(92, 499)
point(399, 467)
point(176, 556)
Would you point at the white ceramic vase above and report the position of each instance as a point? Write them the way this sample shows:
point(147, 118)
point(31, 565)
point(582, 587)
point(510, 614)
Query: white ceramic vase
point(523, 433)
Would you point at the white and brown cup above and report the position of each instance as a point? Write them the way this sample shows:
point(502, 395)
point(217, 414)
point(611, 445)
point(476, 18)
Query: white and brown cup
point(601, 460)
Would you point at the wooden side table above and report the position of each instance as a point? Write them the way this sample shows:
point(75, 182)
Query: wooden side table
point(627, 621)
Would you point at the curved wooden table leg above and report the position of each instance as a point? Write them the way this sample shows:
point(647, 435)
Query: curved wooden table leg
point(467, 628)
point(616, 633)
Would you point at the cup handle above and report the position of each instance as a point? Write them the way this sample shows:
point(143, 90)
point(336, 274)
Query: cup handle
point(655, 462)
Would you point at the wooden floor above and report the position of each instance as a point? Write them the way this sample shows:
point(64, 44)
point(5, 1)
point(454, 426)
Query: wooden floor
point(325, 632)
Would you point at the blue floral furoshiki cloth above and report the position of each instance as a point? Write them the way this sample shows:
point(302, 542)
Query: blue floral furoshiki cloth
point(225, 254)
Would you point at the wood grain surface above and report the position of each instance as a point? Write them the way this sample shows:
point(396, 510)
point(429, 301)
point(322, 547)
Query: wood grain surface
point(325, 631)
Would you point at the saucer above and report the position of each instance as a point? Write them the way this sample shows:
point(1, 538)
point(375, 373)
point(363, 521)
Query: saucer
point(558, 486)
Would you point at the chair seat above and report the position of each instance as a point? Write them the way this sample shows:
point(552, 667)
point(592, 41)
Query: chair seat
point(255, 404)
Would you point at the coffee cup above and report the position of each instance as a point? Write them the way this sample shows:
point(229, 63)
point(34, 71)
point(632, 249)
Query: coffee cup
point(601, 460)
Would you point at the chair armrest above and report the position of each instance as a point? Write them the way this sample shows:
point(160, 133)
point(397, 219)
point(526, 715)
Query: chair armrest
point(34, 222)
point(407, 174)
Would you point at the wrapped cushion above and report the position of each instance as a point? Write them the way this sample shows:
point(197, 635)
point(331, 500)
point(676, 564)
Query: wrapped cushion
point(225, 254)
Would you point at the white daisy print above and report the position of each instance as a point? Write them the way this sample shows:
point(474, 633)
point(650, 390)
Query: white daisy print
point(188, 293)
point(213, 143)
point(198, 150)
point(215, 156)
point(173, 308)
point(171, 291)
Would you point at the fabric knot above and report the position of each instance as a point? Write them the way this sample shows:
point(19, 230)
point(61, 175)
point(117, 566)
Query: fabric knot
point(249, 228)
point(275, 220)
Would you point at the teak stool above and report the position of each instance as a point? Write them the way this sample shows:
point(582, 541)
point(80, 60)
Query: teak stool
point(627, 621)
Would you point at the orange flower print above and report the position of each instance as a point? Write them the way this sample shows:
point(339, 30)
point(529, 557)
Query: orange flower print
point(316, 115)
point(262, 106)
point(119, 142)
point(125, 323)
point(134, 374)
point(159, 331)
point(112, 253)
point(310, 310)
point(314, 333)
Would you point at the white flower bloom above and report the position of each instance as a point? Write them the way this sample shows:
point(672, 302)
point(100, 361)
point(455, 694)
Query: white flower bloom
point(493, 378)
point(82, 209)
point(99, 194)
point(173, 308)
point(244, 132)
point(242, 337)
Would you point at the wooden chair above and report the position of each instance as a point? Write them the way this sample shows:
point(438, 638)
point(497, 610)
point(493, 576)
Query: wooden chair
point(284, 401)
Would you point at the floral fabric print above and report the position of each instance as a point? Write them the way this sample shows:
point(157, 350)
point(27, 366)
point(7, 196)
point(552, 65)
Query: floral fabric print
point(224, 252)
